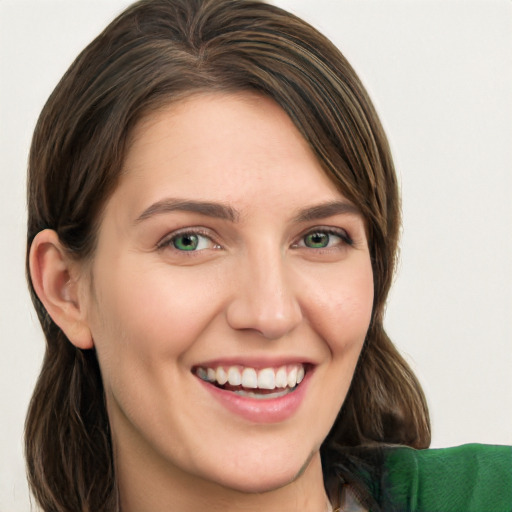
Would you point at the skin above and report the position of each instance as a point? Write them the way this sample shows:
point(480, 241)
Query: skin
point(253, 289)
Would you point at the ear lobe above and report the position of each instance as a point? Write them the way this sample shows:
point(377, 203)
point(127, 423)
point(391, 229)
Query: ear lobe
point(56, 283)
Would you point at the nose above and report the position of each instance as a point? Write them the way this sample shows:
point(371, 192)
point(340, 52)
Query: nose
point(264, 300)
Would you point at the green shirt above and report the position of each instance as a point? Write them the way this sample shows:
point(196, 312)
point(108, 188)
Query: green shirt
point(468, 478)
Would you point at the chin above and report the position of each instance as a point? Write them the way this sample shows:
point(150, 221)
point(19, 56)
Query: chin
point(260, 483)
point(263, 476)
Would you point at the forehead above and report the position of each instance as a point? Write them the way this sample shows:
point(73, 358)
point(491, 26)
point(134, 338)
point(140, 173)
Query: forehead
point(220, 127)
point(227, 139)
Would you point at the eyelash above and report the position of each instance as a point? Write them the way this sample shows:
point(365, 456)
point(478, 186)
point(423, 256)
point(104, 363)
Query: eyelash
point(169, 241)
point(338, 232)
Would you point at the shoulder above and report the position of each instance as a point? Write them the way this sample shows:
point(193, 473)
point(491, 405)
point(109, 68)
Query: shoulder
point(468, 478)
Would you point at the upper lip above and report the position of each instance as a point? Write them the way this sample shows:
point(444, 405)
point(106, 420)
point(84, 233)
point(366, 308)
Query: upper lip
point(255, 362)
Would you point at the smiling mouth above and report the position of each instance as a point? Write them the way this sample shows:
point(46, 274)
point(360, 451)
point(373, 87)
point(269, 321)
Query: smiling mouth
point(262, 384)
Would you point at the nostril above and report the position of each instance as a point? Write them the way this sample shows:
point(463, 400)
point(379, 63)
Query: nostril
point(265, 319)
point(265, 300)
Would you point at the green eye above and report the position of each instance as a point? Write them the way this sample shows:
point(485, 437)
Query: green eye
point(186, 242)
point(317, 240)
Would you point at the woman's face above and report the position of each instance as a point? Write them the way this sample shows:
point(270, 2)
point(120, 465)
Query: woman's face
point(226, 253)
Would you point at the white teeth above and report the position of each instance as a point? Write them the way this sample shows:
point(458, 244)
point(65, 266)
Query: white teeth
point(266, 396)
point(249, 378)
point(300, 374)
point(221, 376)
point(266, 379)
point(234, 377)
point(282, 378)
point(202, 374)
point(292, 377)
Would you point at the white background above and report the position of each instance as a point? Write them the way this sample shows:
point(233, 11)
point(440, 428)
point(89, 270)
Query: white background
point(440, 74)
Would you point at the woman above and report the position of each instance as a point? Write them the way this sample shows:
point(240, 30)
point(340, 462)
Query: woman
point(213, 221)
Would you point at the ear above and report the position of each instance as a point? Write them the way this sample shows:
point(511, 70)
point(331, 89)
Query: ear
point(55, 277)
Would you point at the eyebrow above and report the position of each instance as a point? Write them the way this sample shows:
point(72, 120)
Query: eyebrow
point(324, 210)
point(217, 210)
point(226, 212)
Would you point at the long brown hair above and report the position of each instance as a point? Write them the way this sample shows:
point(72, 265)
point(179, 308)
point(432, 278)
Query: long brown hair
point(157, 52)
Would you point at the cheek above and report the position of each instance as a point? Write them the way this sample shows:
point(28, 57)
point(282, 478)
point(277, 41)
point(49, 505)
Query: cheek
point(146, 315)
point(340, 305)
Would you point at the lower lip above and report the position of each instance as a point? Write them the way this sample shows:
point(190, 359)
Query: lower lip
point(272, 410)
